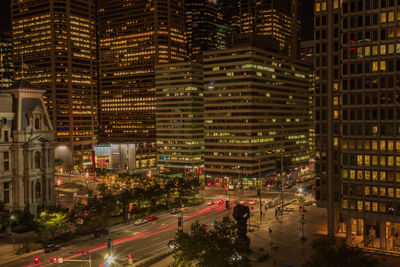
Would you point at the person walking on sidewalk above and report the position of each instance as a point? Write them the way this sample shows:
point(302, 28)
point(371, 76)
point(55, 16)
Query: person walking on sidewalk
point(276, 213)
point(270, 230)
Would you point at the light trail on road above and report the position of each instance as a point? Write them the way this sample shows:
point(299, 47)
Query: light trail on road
point(124, 239)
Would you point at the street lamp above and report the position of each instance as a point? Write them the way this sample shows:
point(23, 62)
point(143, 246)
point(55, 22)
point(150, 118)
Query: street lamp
point(300, 191)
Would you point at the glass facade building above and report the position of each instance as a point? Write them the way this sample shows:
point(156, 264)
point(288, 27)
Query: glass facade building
point(256, 107)
point(357, 129)
point(56, 41)
point(6, 66)
point(136, 35)
point(180, 126)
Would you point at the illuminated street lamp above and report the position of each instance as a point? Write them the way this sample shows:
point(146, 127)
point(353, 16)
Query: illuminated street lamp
point(300, 191)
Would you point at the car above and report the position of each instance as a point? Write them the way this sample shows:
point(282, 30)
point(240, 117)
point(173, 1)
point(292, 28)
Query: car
point(220, 202)
point(251, 202)
point(50, 248)
point(152, 218)
point(100, 232)
point(140, 222)
point(210, 203)
point(241, 201)
point(174, 211)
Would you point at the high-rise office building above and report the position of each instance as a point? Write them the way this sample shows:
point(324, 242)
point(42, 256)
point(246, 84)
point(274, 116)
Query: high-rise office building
point(134, 36)
point(6, 66)
point(206, 28)
point(180, 126)
point(277, 19)
point(357, 129)
point(54, 47)
point(256, 108)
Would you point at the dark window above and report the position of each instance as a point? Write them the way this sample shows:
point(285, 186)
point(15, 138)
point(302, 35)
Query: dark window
point(37, 160)
point(37, 189)
point(6, 197)
point(6, 136)
point(37, 124)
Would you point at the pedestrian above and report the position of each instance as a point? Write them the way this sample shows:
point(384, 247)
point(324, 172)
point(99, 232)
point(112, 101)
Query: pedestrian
point(265, 207)
point(276, 212)
point(270, 230)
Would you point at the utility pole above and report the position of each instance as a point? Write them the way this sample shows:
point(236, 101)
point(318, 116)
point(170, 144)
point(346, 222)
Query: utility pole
point(282, 168)
point(259, 185)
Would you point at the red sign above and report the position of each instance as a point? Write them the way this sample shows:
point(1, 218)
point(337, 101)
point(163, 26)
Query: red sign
point(252, 207)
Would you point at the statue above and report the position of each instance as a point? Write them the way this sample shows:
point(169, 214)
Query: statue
point(241, 214)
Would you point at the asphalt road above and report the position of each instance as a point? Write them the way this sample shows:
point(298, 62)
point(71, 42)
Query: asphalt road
point(141, 241)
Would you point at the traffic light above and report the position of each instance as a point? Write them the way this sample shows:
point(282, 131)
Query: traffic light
point(179, 221)
point(60, 260)
point(36, 260)
point(54, 260)
point(130, 260)
point(227, 204)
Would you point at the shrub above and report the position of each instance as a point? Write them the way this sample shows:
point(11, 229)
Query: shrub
point(22, 250)
point(34, 246)
point(84, 230)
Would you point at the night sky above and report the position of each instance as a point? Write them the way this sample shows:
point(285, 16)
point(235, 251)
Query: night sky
point(307, 13)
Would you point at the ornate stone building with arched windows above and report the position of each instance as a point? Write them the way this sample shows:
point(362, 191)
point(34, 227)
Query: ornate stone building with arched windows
point(26, 149)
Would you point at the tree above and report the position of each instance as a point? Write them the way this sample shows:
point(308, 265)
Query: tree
point(328, 254)
point(52, 222)
point(209, 248)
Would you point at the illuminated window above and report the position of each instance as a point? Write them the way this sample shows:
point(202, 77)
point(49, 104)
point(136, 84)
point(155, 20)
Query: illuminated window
point(397, 192)
point(367, 145)
point(391, 49)
point(382, 207)
point(352, 204)
point(335, 101)
point(374, 160)
point(359, 160)
point(390, 176)
point(351, 142)
point(344, 144)
point(375, 66)
point(398, 161)
point(374, 206)
point(391, 32)
point(317, 7)
point(375, 191)
point(336, 114)
point(335, 142)
point(367, 159)
point(345, 204)
point(336, 4)
point(367, 51)
point(398, 146)
point(352, 174)
point(374, 129)
point(335, 86)
point(390, 161)
point(383, 49)
point(383, 17)
point(375, 50)
point(359, 175)
point(374, 175)
point(390, 145)
point(383, 65)
point(360, 52)
point(383, 160)
point(367, 175)
point(360, 144)
point(345, 174)
point(367, 206)
point(390, 192)
point(383, 145)
point(323, 6)
point(398, 177)
point(382, 176)
point(398, 47)
point(391, 16)
point(359, 205)
point(383, 192)
point(367, 190)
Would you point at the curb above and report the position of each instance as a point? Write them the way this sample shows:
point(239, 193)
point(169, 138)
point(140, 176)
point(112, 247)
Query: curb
point(153, 259)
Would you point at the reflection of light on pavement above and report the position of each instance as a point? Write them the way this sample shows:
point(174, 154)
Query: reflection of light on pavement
point(166, 227)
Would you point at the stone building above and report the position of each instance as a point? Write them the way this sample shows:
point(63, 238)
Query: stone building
point(26, 149)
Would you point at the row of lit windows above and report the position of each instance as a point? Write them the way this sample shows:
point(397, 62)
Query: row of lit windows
point(364, 206)
point(367, 160)
point(370, 175)
point(381, 145)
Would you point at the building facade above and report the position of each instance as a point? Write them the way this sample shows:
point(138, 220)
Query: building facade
point(54, 47)
point(26, 149)
point(179, 116)
point(357, 133)
point(6, 66)
point(277, 19)
point(256, 108)
point(135, 36)
point(206, 28)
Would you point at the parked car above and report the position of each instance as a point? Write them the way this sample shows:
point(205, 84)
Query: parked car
point(140, 222)
point(175, 211)
point(152, 218)
point(100, 232)
point(210, 203)
point(220, 202)
point(50, 248)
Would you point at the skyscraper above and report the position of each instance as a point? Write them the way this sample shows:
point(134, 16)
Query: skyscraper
point(256, 108)
point(357, 114)
point(54, 47)
point(180, 125)
point(6, 66)
point(277, 19)
point(135, 35)
point(206, 28)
